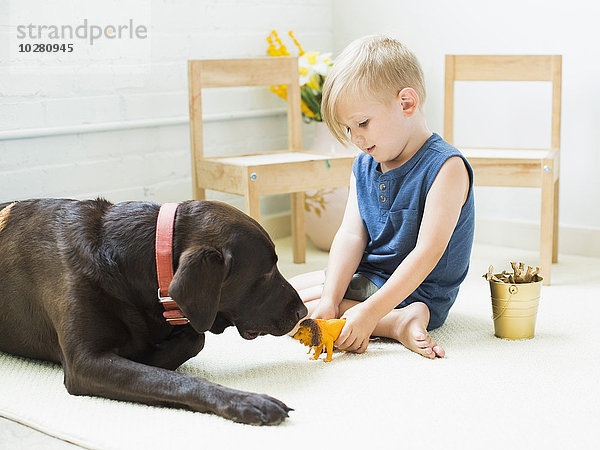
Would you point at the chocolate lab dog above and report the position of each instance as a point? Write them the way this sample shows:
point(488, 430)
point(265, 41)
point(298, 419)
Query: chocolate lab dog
point(78, 286)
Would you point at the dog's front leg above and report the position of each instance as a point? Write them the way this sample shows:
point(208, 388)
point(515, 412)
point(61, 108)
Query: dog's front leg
point(182, 344)
point(109, 375)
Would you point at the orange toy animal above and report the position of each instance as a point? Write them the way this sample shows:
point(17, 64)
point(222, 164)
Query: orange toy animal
point(319, 333)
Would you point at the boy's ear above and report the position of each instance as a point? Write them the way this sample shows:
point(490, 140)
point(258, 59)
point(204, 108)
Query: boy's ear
point(409, 99)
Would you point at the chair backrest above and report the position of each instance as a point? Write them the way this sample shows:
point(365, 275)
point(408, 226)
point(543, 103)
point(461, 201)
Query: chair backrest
point(265, 71)
point(503, 68)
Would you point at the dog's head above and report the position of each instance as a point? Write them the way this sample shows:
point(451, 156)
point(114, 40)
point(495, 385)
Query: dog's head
point(226, 273)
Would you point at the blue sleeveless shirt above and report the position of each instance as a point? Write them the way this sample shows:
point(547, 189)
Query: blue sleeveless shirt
point(391, 206)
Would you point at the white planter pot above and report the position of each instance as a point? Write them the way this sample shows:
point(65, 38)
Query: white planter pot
point(324, 208)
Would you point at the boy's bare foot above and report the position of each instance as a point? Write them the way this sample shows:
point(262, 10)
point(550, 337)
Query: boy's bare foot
point(412, 331)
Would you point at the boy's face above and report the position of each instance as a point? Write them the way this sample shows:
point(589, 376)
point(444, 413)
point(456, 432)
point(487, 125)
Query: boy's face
point(378, 129)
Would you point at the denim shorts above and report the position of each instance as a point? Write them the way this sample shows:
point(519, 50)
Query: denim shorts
point(360, 288)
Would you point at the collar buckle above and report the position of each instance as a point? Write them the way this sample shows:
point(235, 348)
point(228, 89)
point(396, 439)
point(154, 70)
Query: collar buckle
point(172, 314)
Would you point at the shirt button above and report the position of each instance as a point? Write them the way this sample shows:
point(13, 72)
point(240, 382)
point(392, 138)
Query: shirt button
point(382, 187)
point(382, 198)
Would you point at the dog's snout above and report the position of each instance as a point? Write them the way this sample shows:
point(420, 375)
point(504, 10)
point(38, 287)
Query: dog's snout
point(301, 312)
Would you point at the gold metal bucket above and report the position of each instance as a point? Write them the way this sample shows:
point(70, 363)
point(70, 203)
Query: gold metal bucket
point(514, 308)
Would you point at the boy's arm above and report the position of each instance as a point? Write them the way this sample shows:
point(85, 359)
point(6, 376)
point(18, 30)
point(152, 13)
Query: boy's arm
point(346, 252)
point(443, 205)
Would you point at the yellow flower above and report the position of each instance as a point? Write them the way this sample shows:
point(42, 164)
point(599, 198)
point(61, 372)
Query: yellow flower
point(307, 112)
point(276, 48)
point(313, 68)
point(312, 58)
point(281, 91)
point(313, 83)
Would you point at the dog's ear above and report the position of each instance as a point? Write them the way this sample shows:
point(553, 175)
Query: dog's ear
point(196, 286)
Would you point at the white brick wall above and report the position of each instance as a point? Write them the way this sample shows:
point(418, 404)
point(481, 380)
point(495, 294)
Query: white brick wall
point(150, 162)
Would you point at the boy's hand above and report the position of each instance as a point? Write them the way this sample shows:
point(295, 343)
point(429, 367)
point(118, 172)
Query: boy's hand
point(360, 324)
point(326, 310)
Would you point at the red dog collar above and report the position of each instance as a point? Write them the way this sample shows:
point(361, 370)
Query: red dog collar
point(164, 263)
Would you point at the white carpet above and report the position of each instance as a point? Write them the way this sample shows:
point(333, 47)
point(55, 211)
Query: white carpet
point(487, 393)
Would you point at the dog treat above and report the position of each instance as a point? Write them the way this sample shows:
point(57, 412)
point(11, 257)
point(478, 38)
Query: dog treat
point(519, 275)
point(318, 334)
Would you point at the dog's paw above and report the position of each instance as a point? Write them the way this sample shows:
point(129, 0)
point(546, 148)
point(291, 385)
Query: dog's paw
point(253, 409)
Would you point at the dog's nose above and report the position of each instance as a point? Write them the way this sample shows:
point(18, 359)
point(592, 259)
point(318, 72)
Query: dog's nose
point(301, 313)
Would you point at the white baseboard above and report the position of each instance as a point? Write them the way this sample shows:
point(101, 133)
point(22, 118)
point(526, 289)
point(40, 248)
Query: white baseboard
point(509, 233)
point(278, 225)
point(526, 235)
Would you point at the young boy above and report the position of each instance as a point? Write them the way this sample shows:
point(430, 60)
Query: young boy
point(404, 244)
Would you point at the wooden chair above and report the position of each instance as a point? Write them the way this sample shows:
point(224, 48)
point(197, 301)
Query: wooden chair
point(515, 167)
point(254, 174)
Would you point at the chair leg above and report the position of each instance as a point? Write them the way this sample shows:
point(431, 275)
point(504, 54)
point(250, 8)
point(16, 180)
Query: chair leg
point(555, 224)
point(252, 201)
point(199, 193)
point(298, 232)
point(547, 227)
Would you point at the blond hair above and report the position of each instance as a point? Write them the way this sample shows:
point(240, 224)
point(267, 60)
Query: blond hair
point(372, 67)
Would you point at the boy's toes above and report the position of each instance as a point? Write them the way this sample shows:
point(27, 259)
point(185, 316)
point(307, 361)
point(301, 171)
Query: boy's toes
point(429, 348)
point(429, 353)
point(424, 350)
point(421, 338)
